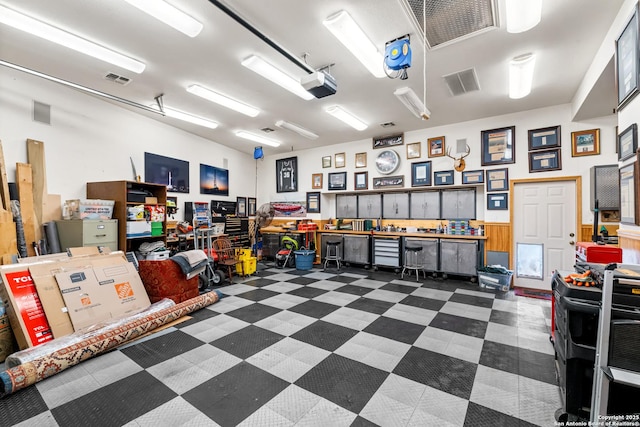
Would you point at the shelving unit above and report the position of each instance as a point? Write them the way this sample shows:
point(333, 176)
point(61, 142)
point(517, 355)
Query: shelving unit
point(128, 194)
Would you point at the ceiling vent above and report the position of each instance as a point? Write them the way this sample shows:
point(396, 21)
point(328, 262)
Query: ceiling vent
point(121, 80)
point(267, 130)
point(449, 21)
point(462, 82)
point(387, 124)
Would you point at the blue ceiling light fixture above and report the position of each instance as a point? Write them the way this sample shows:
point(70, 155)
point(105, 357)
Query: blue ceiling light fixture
point(397, 57)
point(257, 153)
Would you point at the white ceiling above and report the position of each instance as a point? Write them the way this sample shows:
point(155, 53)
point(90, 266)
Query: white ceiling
point(565, 42)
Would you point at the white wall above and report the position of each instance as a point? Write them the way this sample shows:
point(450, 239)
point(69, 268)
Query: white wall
point(90, 139)
point(309, 161)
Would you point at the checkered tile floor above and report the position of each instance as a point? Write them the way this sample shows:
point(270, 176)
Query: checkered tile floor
point(320, 348)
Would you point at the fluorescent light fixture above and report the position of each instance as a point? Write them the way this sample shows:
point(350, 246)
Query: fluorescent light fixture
point(277, 76)
point(410, 100)
point(345, 29)
point(521, 75)
point(186, 117)
point(523, 15)
point(170, 15)
point(40, 29)
point(257, 138)
point(348, 118)
point(297, 129)
point(225, 101)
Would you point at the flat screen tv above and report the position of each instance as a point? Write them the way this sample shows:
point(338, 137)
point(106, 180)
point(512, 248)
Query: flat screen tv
point(173, 173)
point(214, 180)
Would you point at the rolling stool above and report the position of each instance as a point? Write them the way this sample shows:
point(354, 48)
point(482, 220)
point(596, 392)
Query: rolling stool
point(412, 261)
point(332, 253)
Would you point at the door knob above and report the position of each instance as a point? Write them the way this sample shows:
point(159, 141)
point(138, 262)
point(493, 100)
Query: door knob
point(572, 243)
point(571, 234)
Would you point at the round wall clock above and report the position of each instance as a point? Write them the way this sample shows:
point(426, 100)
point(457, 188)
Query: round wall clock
point(387, 162)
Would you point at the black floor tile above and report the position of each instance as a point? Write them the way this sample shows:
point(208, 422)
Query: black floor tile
point(115, 404)
point(426, 303)
point(302, 280)
point(197, 316)
point(258, 294)
point(362, 422)
point(395, 329)
point(344, 279)
point(161, 348)
point(315, 309)
point(235, 394)
point(247, 341)
point(499, 356)
point(254, 313)
point(480, 416)
point(536, 365)
point(262, 282)
point(440, 284)
point(445, 373)
point(472, 300)
point(343, 381)
point(21, 405)
point(325, 335)
point(461, 325)
point(307, 292)
point(354, 290)
point(404, 289)
point(370, 305)
point(504, 318)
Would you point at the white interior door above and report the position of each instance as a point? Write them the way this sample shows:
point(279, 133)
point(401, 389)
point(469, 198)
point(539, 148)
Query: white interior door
point(544, 231)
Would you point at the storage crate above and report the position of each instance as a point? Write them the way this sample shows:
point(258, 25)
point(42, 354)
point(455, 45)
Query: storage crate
point(156, 229)
point(495, 280)
point(158, 255)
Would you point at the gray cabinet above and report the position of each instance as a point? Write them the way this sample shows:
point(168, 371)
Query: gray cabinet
point(459, 204)
point(346, 206)
point(425, 205)
point(386, 251)
point(395, 205)
point(429, 253)
point(330, 237)
point(357, 249)
point(88, 232)
point(369, 206)
point(459, 257)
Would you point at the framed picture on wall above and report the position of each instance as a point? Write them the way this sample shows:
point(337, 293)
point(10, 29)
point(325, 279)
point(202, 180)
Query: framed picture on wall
point(421, 174)
point(540, 139)
point(436, 146)
point(497, 201)
point(361, 160)
point(326, 162)
point(388, 181)
point(316, 181)
point(241, 206)
point(627, 61)
point(443, 177)
point(388, 141)
point(543, 161)
point(251, 206)
point(498, 146)
point(473, 177)
point(585, 142)
point(629, 194)
point(361, 180)
point(313, 202)
point(287, 175)
point(497, 179)
point(340, 160)
point(413, 150)
point(337, 181)
point(628, 142)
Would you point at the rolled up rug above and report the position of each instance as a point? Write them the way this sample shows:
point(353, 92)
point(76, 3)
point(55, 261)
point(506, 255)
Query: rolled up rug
point(44, 366)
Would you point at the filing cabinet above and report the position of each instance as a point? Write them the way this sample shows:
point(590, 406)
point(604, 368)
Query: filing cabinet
point(88, 232)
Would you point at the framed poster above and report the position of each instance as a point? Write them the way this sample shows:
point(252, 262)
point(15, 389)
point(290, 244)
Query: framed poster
point(421, 174)
point(436, 146)
point(361, 180)
point(241, 206)
point(547, 160)
point(287, 175)
point(167, 171)
point(443, 177)
point(338, 181)
point(413, 150)
point(214, 180)
point(628, 194)
point(251, 206)
point(540, 139)
point(361, 160)
point(326, 162)
point(340, 160)
point(498, 146)
point(627, 61)
point(497, 179)
point(313, 202)
point(316, 181)
point(498, 201)
point(585, 143)
point(388, 141)
point(389, 181)
point(628, 142)
point(473, 177)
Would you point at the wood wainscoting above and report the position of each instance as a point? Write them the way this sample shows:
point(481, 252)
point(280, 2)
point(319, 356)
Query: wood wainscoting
point(586, 231)
point(629, 241)
point(498, 237)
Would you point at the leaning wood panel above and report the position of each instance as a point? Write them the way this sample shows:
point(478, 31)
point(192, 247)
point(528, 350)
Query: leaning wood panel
point(629, 241)
point(36, 158)
point(25, 196)
point(5, 206)
point(8, 243)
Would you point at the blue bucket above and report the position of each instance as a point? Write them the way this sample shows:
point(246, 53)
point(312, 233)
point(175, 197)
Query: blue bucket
point(304, 259)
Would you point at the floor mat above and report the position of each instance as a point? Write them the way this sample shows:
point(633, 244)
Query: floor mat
point(533, 293)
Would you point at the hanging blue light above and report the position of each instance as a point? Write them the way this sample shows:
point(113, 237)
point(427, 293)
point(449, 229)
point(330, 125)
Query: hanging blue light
point(257, 153)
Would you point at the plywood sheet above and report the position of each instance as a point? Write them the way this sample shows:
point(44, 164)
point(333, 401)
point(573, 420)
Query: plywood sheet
point(36, 158)
point(25, 196)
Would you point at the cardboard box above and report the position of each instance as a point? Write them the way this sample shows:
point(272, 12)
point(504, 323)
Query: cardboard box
point(138, 228)
point(101, 292)
point(43, 275)
point(26, 315)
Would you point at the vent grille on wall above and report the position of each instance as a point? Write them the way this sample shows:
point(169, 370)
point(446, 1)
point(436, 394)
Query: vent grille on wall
point(462, 82)
point(452, 20)
point(41, 112)
point(121, 80)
